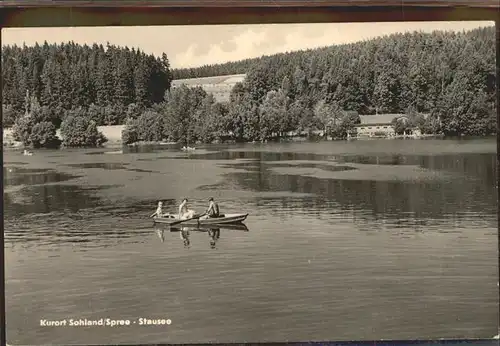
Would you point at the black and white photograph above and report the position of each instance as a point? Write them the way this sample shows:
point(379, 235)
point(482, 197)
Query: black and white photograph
point(250, 183)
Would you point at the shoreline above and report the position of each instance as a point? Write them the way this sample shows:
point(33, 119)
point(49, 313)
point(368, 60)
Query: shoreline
point(113, 134)
point(400, 137)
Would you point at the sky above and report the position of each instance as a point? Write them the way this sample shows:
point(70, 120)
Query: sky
point(191, 46)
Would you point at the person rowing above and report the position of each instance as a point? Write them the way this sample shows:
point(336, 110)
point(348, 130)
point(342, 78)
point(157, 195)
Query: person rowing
point(212, 210)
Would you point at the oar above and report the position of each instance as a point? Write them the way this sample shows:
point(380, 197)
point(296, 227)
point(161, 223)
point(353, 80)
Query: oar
point(181, 221)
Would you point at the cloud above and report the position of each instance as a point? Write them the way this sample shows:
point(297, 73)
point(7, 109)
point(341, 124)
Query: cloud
point(256, 41)
point(243, 46)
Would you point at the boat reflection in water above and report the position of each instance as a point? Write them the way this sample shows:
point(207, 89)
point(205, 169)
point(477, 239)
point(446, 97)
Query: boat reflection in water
point(214, 235)
point(184, 233)
point(213, 232)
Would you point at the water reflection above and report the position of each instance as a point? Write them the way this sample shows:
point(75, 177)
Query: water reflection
point(184, 234)
point(212, 232)
point(161, 234)
point(214, 237)
point(207, 228)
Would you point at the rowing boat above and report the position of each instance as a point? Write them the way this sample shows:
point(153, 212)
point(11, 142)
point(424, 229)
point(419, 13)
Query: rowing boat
point(208, 228)
point(222, 220)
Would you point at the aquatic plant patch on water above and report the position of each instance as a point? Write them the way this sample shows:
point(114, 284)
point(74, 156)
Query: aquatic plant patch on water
point(100, 165)
point(380, 147)
point(141, 170)
point(21, 170)
point(103, 152)
point(355, 171)
point(43, 199)
point(14, 163)
point(14, 176)
point(110, 166)
point(262, 155)
point(324, 166)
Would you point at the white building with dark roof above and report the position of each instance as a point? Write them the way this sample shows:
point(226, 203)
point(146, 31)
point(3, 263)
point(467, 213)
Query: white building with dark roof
point(379, 125)
point(219, 86)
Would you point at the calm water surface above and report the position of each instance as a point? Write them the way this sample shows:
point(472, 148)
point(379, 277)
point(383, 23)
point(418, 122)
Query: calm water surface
point(349, 240)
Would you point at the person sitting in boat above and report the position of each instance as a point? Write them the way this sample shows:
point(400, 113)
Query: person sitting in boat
point(184, 211)
point(183, 208)
point(159, 210)
point(213, 209)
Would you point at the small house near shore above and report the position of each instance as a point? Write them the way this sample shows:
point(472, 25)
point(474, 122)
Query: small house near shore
point(379, 125)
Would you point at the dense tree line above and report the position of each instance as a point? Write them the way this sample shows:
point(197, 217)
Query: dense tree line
point(67, 82)
point(448, 76)
point(190, 115)
point(187, 115)
point(69, 76)
point(36, 129)
point(228, 68)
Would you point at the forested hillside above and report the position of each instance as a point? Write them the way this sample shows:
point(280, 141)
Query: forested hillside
point(67, 76)
point(228, 68)
point(449, 75)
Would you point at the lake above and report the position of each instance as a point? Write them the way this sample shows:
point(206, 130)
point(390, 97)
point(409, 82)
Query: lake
point(360, 240)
